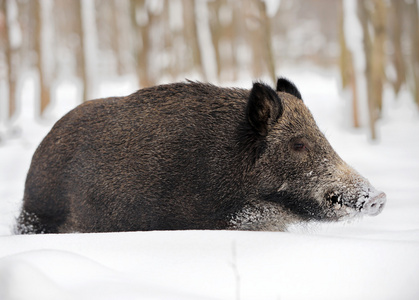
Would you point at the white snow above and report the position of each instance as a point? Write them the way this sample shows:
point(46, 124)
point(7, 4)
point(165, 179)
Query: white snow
point(369, 258)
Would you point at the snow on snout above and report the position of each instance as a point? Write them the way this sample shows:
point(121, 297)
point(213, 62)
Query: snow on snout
point(375, 204)
point(359, 193)
point(372, 203)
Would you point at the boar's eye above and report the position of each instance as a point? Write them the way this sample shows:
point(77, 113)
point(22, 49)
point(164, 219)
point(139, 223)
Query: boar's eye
point(299, 146)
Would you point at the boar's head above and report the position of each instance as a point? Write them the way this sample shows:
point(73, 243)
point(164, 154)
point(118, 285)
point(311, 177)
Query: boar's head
point(299, 175)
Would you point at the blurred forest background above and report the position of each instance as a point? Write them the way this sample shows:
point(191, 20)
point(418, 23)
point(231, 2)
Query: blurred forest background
point(374, 43)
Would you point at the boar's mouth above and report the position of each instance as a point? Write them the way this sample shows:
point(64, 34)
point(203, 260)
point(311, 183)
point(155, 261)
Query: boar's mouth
point(310, 209)
point(306, 209)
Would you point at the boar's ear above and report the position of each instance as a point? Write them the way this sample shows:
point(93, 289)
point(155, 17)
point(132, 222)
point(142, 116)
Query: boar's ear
point(284, 85)
point(263, 108)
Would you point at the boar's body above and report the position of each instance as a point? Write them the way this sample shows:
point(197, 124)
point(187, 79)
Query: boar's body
point(187, 156)
point(161, 158)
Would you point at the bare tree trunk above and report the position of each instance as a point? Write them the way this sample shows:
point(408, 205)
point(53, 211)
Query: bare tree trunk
point(378, 17)
point(168, 37)
point(267, 40)
point(142, 21)
point(348, 72)
point(260, 39)
point(224, 25)
point(363, 16)
point(398, 61)
point(344, 59)
point(216, 31)
point(43, 82)
point(80, 51)
point(253, 39)
point(374, 53)
point(191, 34)
point(11, 67)
point(234, 37)
point(115, 44)
point(415, 49)
point(355, 106)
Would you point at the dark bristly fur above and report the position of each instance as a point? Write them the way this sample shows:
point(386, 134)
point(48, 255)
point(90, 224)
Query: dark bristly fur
point(183, 156)
point(284, 85)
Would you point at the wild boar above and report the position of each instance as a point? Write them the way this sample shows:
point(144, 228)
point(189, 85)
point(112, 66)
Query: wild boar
point(191, 156)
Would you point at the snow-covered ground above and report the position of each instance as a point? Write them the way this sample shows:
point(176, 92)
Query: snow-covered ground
point(371, 258)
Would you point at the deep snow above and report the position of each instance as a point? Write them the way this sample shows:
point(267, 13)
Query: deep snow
point(370, 258)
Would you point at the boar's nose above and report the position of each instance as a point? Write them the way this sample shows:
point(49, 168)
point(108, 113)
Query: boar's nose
point(375, 204)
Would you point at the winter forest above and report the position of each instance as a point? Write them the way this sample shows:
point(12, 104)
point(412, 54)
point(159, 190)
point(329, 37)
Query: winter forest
point(374, 44)
point(356, 64)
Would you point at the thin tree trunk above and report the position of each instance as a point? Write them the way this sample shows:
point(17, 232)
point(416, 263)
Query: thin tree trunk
point(364, 16)
point(192, 36)
point(355, 106)
point(216, 30)
point(253, 38)
point(398, 61)
point(415, 49)
point(267, 40)
point(11, 68)
point(234, 38)
point(43, 82)
point(142, 21)
point(81, 57)
point(347, 71)
point(378, 56)
point(115, 44)
point(344, 53)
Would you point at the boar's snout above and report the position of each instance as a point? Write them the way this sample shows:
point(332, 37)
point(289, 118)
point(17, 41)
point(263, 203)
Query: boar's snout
point(356, 200)
point(374, 204)
point(353, 195)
